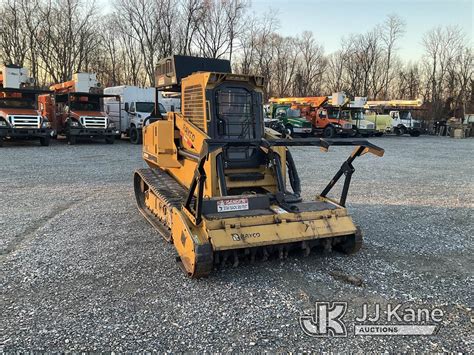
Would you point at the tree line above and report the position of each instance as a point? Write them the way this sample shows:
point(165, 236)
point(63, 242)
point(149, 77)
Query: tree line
point(56, 38)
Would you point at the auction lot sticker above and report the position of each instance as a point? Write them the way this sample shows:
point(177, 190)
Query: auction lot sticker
point(239, 204)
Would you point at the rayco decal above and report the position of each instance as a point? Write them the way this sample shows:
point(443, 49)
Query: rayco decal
point(189, 133)
point(243, 236)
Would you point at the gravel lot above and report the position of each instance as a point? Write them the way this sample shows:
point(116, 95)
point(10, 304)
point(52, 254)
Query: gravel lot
point(82, 270)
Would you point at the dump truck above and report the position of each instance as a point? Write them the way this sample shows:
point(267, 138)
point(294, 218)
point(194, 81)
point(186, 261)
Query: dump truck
point(313, 110)
point(19, 114)
point(216, 182)
point(75, 109)
point(132, 106)
point(290, 118)
point(399, 111)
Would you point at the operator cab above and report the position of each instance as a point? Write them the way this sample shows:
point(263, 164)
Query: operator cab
point(224, 105)
point(236, 114)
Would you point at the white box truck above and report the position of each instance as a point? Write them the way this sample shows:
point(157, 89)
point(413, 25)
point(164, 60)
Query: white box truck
point(137, 104)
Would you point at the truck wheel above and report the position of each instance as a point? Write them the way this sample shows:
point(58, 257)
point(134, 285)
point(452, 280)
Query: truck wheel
point(135, 136)
point(329, 132)
point(415, 133)
point(110, 140)
point(71, 140)
point(400, 131)
point(44, 141)
point(289, 130)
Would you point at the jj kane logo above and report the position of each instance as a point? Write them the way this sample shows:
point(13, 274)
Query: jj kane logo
point(327, 320)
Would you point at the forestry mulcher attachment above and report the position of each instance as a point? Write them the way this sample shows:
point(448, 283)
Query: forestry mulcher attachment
point(216, 183)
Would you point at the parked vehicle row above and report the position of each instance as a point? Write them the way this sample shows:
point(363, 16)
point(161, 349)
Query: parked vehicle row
point(78, 108)
point(81, 108)
point(337, 115)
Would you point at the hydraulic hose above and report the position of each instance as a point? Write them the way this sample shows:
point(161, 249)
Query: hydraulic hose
point(295, 181)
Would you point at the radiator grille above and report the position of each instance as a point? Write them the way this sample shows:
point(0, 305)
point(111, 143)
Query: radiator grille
point(193, 106)
point(94, 122)
point(25, 121)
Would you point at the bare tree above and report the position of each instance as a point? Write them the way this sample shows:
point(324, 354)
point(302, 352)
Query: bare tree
point(141, 17)
point(392, 30)
point(188, 21)
point(334, 74)
point(55, 38)
point(14, 39)
point(220, 24)
point(311, 65)
point(442, 47)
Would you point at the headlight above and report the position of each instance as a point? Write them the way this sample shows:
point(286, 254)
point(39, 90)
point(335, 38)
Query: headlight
point(3, 123)
point(46, 124)
point(112, 125)
point(74, 123)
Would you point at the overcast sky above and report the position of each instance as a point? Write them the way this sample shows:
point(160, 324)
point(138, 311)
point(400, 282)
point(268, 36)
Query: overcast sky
point(332, 20)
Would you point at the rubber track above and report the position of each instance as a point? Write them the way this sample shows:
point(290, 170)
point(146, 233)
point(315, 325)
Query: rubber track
point(166, 189)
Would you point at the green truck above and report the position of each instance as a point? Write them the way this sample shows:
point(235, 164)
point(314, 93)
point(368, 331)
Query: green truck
point(294, 123)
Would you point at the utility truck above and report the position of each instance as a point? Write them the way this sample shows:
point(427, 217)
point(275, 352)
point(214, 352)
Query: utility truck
point(19, 115)
point(290, 118)
point(313, 110)
point(400, 114)
point(135, 105)
point(352, 111)
point(75, 109)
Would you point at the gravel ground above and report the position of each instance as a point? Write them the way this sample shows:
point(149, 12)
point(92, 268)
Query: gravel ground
point(82, 270)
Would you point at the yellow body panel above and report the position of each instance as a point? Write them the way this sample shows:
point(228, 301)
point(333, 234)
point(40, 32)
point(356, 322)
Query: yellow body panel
point(187, 238)
point(287, 231)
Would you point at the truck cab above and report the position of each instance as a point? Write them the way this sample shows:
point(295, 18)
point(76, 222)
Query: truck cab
point(360, 125)
point(76, 109)
point(136, 104)
point(403, 122)
point(19, 114)
point(291, 118)
point(137, 113)
point(330, 120)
